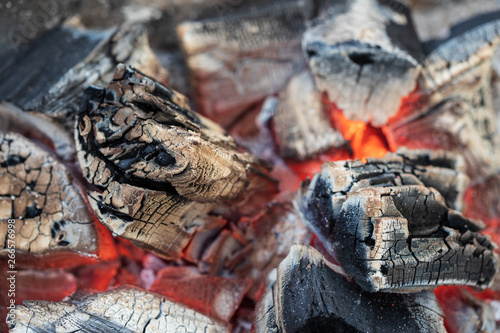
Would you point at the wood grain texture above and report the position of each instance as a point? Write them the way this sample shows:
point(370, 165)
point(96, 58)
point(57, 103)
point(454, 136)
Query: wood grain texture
point(390, 230)
point(311, 295)
point(237, 61)
point(160, 167)
point(366, 56)
point(126, 309)
point(405, 238)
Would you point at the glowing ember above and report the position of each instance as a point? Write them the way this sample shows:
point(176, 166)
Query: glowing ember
point(366, 140)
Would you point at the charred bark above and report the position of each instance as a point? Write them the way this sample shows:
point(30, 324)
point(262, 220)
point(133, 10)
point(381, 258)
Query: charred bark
point(390, 231)
point(161, 168)
point(311, 295)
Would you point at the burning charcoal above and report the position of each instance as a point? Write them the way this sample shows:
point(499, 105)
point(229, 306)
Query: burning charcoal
point(464, 312)
point(457, 111)
point(439, 169)
point(33, 81)
point(312, 295)
point(160, 168)
point(51, 219)
point(125, 309)
point(215, 296)
point(366, 56)
point(237, 61)
point(389, 231)
point(302, 127)
point(406, 238)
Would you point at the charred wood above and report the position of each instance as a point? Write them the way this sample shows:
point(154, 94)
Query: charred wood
point(52, 220)
point(126, 309)
point(160, 167)
point(312, 295)
point(389, 231)
point(457, 112)
point(366, 56)
point(301, 124)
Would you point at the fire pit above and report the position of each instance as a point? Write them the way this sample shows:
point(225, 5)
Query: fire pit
point(238, 166)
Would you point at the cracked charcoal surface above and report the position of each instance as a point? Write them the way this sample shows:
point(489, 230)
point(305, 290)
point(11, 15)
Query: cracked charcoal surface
point(160, 166)
point(320, 201)
point(310, 295)
point(402, 234)
point(125, 309)
point(38, 193)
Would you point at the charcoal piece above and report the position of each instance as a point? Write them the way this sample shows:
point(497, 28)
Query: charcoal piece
point(311, 295)
point(34, 81)
point(161, 167)
point(238, 60)
point(320, 200)
point(125, 309)
point(457, 112)
point(390, 231)
point(366, 57)
point(301, 125)
point(51, 218)
point(405, 238)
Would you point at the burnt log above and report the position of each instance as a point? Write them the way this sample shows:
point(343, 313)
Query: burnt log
point(391, 232)
point(366, 56)
point(125, 309)
point(271, 234)
point(161, 168)
point(237, 61)
point(35, 83)
point(312, 295)
point(405, 238)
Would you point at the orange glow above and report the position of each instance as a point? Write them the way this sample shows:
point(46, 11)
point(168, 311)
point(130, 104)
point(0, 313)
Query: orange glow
point(366, 140)
point(306, 169)
point(410, 104)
